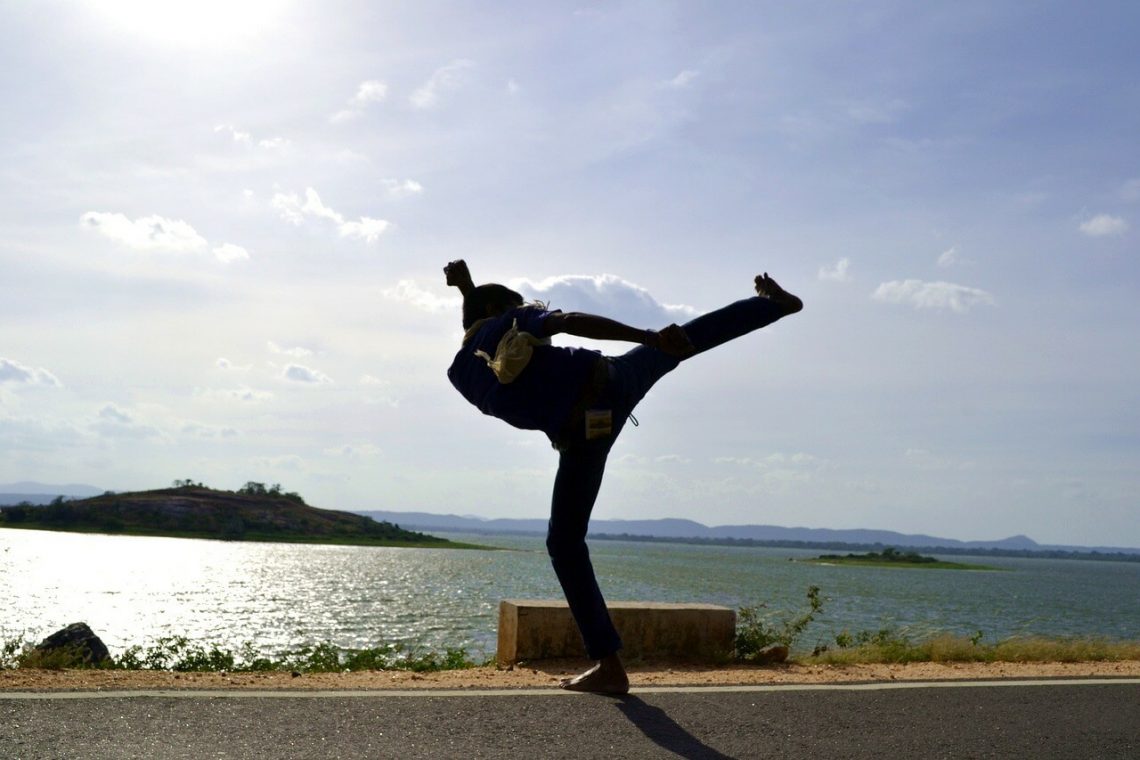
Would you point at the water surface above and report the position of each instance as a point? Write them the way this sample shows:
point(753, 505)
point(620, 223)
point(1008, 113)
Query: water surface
point(135, 590)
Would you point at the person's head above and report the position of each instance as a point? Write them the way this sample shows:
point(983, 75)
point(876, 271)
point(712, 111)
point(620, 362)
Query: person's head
point(487, 301)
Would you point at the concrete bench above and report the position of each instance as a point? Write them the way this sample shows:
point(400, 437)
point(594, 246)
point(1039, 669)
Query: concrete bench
point(538, 629)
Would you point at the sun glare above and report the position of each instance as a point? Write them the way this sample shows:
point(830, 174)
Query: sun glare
point(192, 23)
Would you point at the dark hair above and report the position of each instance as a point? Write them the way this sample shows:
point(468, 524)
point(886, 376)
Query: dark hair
point(498, 297)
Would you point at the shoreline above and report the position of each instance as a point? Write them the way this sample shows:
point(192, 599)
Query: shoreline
point(549, 673)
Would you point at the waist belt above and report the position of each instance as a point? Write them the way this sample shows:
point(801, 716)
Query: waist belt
point(591, 393)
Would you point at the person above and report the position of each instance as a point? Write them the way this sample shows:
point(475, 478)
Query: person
point(581, 400)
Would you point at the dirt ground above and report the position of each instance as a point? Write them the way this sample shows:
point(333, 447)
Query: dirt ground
point(548, 674)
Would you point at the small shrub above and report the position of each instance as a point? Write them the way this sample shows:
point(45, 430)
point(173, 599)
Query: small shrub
point(176, 653)
point(10, 650)
point(755, 632)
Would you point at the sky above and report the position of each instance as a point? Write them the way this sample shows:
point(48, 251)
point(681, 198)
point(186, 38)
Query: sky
point(223, 225)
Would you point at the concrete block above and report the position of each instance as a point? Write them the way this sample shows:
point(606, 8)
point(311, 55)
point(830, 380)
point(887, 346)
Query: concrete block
point(542, 629)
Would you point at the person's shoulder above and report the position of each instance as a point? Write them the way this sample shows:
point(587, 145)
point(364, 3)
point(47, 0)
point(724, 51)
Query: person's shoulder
point(531, 317)
point(534, 308)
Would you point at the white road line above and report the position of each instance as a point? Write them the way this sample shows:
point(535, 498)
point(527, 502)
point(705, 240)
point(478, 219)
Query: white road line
point(547, 692)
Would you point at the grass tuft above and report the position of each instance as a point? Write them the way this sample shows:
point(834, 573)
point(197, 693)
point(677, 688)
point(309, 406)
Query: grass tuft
point(892, 646)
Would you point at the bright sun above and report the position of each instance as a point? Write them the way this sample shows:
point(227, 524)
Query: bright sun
point(197, 23)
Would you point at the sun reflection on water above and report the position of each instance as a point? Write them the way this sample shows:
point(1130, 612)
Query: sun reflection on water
point(279, 597)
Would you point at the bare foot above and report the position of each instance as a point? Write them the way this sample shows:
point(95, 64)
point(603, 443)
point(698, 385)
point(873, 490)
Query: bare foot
point(768, 288)
point(607, 677)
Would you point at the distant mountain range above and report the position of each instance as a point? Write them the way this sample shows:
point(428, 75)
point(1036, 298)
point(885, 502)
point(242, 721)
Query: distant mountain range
point(670, 528)
point(689, 529)
point(43, 493)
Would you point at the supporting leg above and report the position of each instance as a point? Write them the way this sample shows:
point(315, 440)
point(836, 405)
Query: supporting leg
point(576, 486)
point(607, 677)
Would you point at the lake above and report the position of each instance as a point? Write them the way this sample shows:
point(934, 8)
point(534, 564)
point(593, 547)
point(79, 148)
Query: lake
point(135, 590)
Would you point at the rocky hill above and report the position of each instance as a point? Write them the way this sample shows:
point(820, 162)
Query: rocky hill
point(195, 511)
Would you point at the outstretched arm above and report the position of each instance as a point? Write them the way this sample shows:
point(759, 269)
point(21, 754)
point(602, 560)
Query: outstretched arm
point(672, 339)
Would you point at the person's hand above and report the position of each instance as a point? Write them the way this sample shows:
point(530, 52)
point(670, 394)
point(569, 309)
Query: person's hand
point(458, 276)
point(674, 341)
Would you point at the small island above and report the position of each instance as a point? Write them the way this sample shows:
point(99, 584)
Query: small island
point(191, 510)
point(891, 557)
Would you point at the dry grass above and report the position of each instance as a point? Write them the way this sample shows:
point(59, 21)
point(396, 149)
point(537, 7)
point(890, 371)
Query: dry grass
point(899, 649)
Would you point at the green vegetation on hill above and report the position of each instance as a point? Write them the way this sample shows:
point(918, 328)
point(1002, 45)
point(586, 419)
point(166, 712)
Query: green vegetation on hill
point(891, 557)
point(192, 510)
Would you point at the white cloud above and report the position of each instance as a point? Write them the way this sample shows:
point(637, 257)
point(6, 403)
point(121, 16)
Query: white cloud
point(147, 233)
point(931, 295)
point(13, 372)
point(228, 252)
point(776, 460)
point(237, 134)
point(367, 229)
point(114, 422)
point(837, 272)
point(682, 80)
point(397, 189)
point(295, 211)
point(408, 291)
point(607, 295)
point(512, 87)
point(444, 79)
point(779, 470)
point(296, 352)
point(199, 430)
point(672, 459)
point(358, 451)
point(225, 364)
point(244, 394)
point(1104, 224)
point(374, 383)
point(115, 414)
point(368, 91)
point(290, 206)
point(245, 138)
point(298, 373)
point(314, 207)
point(949, 257)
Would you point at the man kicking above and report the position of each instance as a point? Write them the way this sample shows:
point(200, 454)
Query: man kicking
point(581, 399)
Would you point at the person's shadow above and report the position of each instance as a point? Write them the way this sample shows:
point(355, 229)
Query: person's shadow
point(665, 732)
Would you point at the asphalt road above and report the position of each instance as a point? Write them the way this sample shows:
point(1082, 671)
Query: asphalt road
point(1057, 719)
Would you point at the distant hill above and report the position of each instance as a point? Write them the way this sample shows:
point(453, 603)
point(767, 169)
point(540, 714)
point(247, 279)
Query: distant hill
point(762, 534)
point(194, 511)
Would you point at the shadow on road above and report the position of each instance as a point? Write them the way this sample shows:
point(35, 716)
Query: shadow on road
point(665, 732)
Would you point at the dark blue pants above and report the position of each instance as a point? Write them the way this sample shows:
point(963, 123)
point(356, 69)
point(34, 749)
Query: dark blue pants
point(582, 463)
